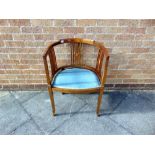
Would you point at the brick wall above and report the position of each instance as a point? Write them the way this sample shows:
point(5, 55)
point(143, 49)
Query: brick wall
point(131, 44)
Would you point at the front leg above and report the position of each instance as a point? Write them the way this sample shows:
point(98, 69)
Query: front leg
point(52, 100)
point(99, 101)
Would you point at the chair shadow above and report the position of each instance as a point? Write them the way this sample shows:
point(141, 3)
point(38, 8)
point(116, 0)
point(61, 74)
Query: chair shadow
point(115, 99)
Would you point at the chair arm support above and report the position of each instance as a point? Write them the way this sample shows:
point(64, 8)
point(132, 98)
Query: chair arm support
point(46, 69)
point(104, 75)
point(46, 52)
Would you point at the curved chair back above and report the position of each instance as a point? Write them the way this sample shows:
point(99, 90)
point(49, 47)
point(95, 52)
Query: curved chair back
point(77, 56)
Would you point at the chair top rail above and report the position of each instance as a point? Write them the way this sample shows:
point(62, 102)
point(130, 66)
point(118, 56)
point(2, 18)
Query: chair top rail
point(78, 40)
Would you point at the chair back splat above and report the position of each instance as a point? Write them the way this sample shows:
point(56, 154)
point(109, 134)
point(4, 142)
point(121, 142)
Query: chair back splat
point(84, 69)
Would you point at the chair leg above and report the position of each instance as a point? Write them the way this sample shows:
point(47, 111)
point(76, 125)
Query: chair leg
point(99, 101)
point(52, 100)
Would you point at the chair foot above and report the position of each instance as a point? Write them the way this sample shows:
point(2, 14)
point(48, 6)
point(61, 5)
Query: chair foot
point(97, 112)
point(98, 115)
point(53, 114)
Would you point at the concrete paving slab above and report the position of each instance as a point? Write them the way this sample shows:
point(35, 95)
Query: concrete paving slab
point(11, 117)
point(86, 122)
point(122, 112)
point(40, 110)
point(23, 96)
point(6, 97)
point(29, 128)
point(110, 100)
point(136, 114)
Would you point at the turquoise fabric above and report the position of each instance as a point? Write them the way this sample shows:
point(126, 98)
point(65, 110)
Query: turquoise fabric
point(76, 78)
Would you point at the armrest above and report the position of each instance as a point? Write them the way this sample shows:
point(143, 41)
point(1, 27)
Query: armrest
point(46, 69)
point(104, 74)
point(46, 52)
point(51, 54)
point(103, 54)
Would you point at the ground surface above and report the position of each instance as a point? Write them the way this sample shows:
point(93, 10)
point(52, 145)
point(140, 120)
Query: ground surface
point(122, 112)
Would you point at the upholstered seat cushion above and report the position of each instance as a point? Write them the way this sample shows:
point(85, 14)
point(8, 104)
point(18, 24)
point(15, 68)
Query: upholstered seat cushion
point(76, 78)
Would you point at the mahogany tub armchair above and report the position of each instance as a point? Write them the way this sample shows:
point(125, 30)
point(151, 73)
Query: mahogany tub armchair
point(76, 77)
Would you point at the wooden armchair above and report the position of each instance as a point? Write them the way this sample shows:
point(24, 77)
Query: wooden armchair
point(76, 77)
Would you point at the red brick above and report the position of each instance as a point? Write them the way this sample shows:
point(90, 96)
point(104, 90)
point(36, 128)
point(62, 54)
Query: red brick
point(21, 67)
point(136, 30)
point(3, 81)
point(52, 30)
point(148, 56)
point(19, 22)
point(73, 30)
point(5, 37)
point(128, 23)
point(104, 37)
point(30, 62)
point(107, 22)
point(14, 43)
point(133, 81)
point(114, 44)
point(149, 44)
point(44, 37)
point(140, 50)
point(150, 30)
point(150, 71)
point(83, 35)
point(26, 56)
point(137, 61)
point(34, 43)
point(41, 22)
point(4, 22)
point(9, 61)
point(64, 22)
point(123, 76)
point(145, 37)
point(113, 81)
point(86, 22)
point(36, 29)
point(41, 86)
point(9, 30)
point(149, 81)
point(2, 72)
point(26, 86)
point(39, 66)
point(22, 36)
point(105, 30)
point(147, 22)
point(1, 43)
point(121, 50)
point(10, 86)
point(62, 36)
point(124, 37)
point(6, 66)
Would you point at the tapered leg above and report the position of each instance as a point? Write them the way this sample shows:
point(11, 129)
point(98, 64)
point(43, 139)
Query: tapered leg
point(99, 101)
point(52, 100)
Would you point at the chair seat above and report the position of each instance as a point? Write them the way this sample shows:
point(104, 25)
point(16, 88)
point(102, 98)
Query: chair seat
point(76, 78)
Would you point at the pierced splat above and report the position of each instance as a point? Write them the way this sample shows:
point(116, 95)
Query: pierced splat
point(76, 53)
point(99, 61)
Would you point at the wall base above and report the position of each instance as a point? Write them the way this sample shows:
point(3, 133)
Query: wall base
point(107, 87)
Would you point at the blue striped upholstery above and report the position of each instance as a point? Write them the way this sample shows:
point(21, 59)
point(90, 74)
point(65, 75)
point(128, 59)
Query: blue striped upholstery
point(76, 78)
